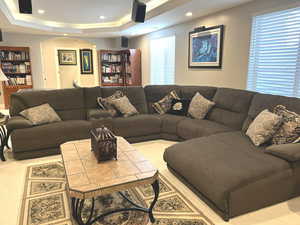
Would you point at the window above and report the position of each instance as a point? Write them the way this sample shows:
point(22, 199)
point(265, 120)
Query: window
point(274, 65)
point(163, 60)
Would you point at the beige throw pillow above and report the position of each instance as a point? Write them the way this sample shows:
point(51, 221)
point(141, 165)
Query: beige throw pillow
point(106, 103)
point(199, 106)
point(263, 127)
point(124, 106)
point(41, 114)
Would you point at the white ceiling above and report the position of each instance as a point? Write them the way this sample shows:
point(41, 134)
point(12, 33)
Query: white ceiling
point(81, 17)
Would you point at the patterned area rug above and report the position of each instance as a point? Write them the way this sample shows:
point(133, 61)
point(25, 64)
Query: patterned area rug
point(46, 202)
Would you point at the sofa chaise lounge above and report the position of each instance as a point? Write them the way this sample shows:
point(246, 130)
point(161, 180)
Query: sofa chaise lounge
point(214, 156)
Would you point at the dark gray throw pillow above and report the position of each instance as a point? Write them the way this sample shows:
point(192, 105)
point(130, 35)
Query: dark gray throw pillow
point(41, 114)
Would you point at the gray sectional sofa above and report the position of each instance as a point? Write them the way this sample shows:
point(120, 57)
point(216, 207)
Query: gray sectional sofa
point(214, 156)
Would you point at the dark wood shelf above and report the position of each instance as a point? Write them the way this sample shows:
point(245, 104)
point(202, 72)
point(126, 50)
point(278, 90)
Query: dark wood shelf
point(6, 73)
point(14, 61)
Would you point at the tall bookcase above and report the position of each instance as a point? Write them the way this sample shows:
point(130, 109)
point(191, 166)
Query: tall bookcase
point(16, 65)
point(120, 68)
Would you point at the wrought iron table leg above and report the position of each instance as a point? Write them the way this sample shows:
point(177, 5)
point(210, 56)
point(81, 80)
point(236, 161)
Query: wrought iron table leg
point(78, 204)
point(3, 137)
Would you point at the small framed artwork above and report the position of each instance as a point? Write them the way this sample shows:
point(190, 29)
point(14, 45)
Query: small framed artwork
point(206, 47)
point(67, 57)
point(86, 61)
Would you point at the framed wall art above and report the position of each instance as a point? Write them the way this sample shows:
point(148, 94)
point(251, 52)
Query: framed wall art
point(67, 57)
point(86, 61)
point(206, 47)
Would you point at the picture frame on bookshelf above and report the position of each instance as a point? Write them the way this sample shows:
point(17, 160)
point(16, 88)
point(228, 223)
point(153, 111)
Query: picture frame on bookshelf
point(206, 47)
point(86, 61)
point(67, 57)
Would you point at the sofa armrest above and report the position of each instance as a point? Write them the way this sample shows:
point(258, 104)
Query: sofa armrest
point(17, 122)
point(95, 114)
point(289, 152)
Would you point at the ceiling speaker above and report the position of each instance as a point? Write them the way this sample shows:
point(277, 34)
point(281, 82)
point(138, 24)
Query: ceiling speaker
point(138, 11)
point(1, 37)
point(25, 6)
point(124, 42)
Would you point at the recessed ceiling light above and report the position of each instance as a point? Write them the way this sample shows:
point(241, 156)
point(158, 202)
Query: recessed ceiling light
point(102, 17)
point(189, 14)
point(41, 11)
point(65, 34)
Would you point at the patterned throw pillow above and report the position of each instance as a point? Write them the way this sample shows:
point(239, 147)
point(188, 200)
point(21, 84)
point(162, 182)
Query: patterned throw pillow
point(179, 107)
point(106, 103)
point(41, 114)
point(263, 127)
point(290, 130)
point(124, 106)
point(164, 105)
point(199, 106)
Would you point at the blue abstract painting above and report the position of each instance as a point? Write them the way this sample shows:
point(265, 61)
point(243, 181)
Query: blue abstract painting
point(205, 48)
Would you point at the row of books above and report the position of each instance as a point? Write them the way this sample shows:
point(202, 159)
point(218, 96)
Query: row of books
point(111, 57)
point(111, 69)
point(13, 68)
point(14, 55)
point(19, 80)
point(116, 79)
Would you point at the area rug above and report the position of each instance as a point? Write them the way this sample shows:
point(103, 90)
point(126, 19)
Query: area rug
point(46, 202)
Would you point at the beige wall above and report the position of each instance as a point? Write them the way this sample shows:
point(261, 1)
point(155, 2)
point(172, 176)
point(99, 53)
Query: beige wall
point(35, 43)
point(237, 23)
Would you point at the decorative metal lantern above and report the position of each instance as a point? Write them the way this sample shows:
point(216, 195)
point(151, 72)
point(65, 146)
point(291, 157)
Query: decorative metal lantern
point(104, 144)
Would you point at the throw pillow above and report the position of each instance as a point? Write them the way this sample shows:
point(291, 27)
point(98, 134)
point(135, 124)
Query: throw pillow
point(106, 103)
point(199, 106)
point(164, 105)
point(41, 114)
point(290, 130)
point(263, 127)
point(124, 106)
point(179, 107)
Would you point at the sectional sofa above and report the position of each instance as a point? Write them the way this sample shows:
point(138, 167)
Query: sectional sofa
point(214, 157)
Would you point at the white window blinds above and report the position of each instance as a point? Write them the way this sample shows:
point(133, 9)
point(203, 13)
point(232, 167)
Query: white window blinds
point(163, 60)
point(274, 65)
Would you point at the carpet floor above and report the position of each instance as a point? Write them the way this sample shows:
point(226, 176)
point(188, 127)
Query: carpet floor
point(46, 202)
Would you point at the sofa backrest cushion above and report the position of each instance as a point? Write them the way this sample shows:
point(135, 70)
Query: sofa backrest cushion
point(90, 97)
point(261, 102)
point(68, 103)
point(188, 92)
point(155, 93)
point(136, 96)
point(231, 107)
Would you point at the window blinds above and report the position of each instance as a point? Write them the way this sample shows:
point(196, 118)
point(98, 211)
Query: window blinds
point(163, 60)
point(274, 62)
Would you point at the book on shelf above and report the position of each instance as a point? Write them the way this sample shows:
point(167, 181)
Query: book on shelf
point(108, 57)
point(14, 55)
point(111, 69)
point(19, 80)
point(8, 67)
point(112, 80)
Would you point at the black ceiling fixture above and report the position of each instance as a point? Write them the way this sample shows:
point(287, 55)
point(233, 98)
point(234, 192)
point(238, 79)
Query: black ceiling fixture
point(138, 11)
point(25, 6)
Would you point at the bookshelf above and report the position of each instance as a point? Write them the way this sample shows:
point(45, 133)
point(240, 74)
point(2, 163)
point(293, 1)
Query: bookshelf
point(16, 65)
point(120, 68)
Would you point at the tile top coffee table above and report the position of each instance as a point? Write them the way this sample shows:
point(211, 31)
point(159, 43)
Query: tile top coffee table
point(88, 179)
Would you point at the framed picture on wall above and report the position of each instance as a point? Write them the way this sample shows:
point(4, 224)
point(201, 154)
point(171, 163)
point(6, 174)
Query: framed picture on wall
point(206, 47)
point(67, 57)
point(86, 61)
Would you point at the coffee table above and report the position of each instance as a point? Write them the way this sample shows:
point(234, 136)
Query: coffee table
point(88, 179)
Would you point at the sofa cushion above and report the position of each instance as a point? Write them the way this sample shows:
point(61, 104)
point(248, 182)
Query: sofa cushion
point(136, 96)
point(263, 127)
point(17, 122)
point(193, 128)
point(155, 93)
point(41, 114)
point(68, 103)
point(136, 126)
point(221, 163)
point(188, 92)
point(170, 123)
point(95, 114)
point(49, 135)
point(231, 107)
point(261, 102)
point(90, 97)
